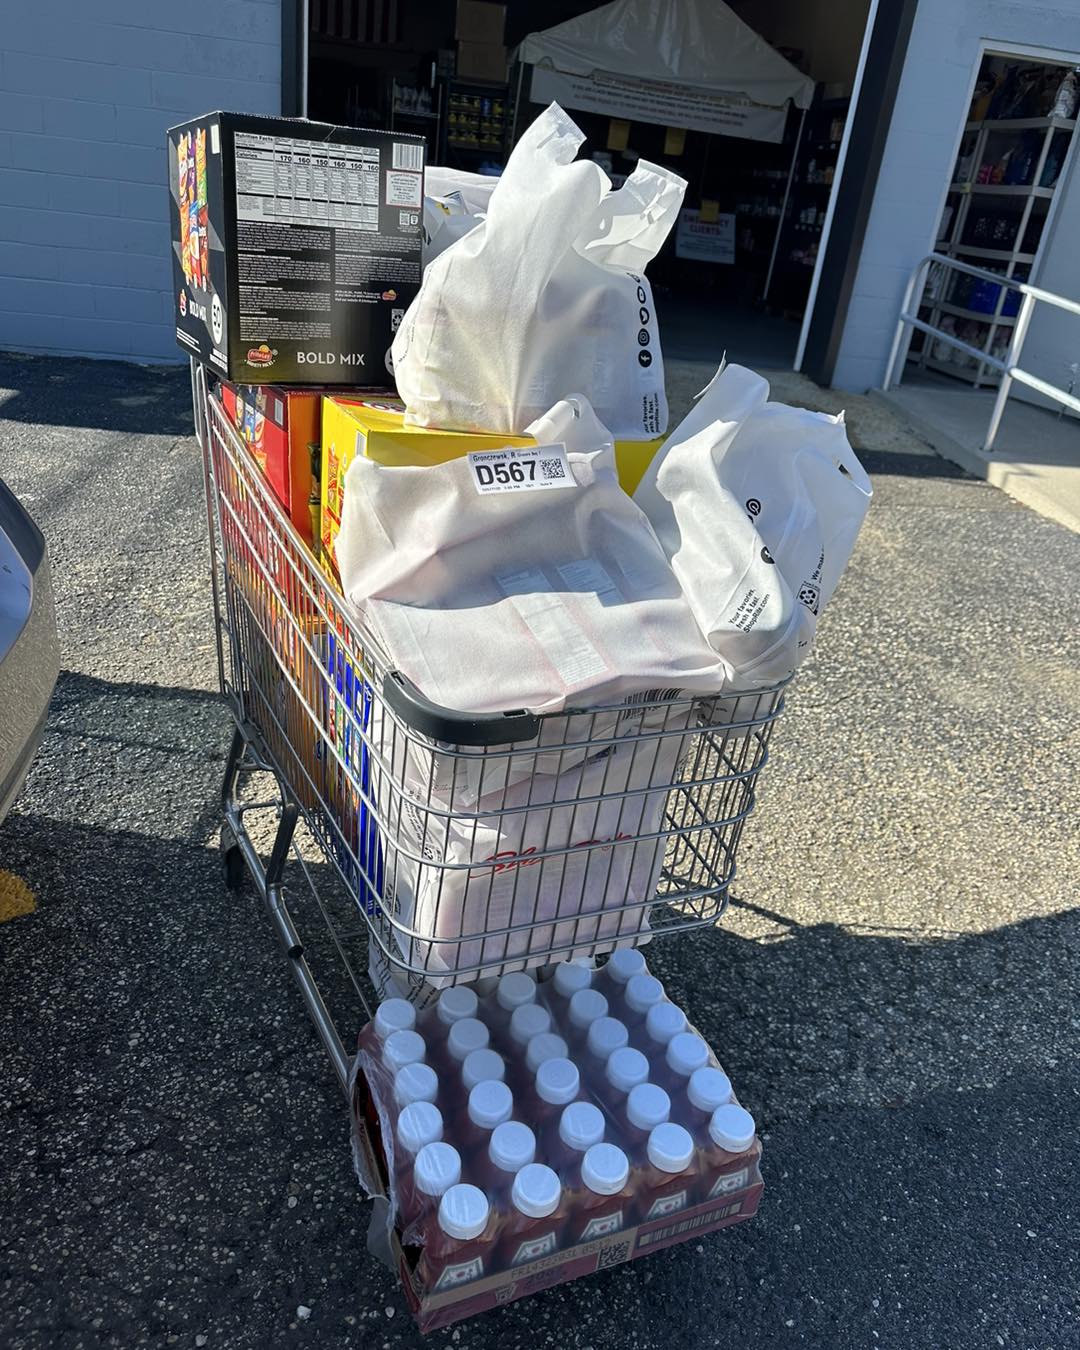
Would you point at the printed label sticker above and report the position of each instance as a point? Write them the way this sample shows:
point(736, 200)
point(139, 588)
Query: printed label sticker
point(535, 467)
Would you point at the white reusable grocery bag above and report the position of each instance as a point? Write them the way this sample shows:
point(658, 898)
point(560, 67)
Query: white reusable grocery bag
point(544, 297)
point(757, 505)
point(519, 578)
point(454, 203)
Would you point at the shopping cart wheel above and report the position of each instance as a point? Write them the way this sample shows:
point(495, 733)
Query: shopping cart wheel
point(232, 861)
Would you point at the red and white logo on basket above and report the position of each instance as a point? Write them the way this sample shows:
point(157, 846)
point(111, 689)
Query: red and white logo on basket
point(525, 858)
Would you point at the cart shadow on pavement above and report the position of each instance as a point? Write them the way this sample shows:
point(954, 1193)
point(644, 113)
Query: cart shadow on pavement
point(168, 1097)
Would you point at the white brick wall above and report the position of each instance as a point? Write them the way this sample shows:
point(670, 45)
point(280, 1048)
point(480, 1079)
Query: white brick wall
point(931, 104)
point(84, 104)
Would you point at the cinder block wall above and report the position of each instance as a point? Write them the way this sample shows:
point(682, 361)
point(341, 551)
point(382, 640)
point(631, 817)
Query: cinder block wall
point(86, 93)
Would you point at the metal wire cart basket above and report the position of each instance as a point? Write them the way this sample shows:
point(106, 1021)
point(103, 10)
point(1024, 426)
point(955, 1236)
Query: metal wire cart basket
point(464, 846)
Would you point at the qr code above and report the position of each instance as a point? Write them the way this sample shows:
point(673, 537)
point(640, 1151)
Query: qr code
point(552, 468)
point(612, 1256)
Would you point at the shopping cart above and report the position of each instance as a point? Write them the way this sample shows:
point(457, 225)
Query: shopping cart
point(464, 846)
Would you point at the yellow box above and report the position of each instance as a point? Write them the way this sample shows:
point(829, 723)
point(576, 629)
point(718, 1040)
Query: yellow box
point(376, 428)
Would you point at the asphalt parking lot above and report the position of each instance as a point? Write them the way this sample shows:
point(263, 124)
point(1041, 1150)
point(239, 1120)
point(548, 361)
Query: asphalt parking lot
point(894, 993)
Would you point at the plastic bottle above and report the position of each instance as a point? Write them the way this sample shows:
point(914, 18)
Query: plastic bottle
point(454, 1005)
point(642, 993)
point(611, 979)
point(584, 1008)
point(662, 1021)
point(394, 1014)
point(416, 1083)
point(605, 1036)
point(543, 1047)
point(417, 1124)
point(568, 979)
point(685, 1054)
point(581, 1125)
point(556, 1085)
point(604, 1202)
point(527, 1021)
point(706, 1089)
point(481, 1066)
point(489, 1104)
point(436, 1168)
point(466, 1036)
point(646, 1107)
point(402, 1048)
point(536, 1218)
point(731, 1135)
point(625, 1069)
point(670, 1179)
point(511, 1147)
point(460, 1242)
point(513, 991)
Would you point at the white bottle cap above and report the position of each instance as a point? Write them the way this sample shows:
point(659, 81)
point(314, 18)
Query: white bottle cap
point(515, 989)
point(420, 1123)
point(490, 1103)
point(480, 1066)
point(605, 1169)
point(586, 1006)
point(581, 1125)
point(663, 1021)
point(512, 1146)
point(626, 1069)
point(686, 1052)
point(415, 1083)
point(732, 1128)
point(536, 1191)
point(708, 1089)
point(437, 1168)
point(455, 1003)
point(643, 992)
point(670, 1147)
point(606, 1035)
point(570, 976)
point(543, 1047)
point(464, 1212)
point(394, 1014)
point(530, 1020)
point(624, 964)
point(557, 1081)
point(466, 1036)
point(401, 1048)
point(647, 1106)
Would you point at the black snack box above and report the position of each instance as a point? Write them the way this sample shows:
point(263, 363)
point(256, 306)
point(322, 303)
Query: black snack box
point(295, 246)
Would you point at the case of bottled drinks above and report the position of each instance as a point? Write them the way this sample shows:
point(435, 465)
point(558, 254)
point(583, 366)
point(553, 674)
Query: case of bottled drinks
point(527, 1132)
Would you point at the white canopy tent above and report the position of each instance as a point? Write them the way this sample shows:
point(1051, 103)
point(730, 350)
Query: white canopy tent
point(683, 63)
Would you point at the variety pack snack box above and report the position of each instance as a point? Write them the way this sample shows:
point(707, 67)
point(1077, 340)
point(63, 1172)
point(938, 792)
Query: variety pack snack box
point(296, 246)
point(541, 1132)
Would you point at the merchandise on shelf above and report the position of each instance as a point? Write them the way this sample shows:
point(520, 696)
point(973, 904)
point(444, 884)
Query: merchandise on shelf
point(497, 1188)
point(296, 246)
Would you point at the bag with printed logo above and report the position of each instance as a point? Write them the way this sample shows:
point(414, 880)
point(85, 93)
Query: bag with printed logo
point(545, 296)
point(757, 505)
point(519, 578)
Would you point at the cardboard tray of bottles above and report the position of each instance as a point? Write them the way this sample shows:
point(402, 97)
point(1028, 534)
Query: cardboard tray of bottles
point(543, 1131)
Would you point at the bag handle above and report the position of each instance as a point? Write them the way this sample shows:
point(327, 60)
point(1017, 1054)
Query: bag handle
point(631, 223)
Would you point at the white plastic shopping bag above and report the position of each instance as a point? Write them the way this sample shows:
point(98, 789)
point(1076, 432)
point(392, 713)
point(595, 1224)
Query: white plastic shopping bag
point(455, 201)
point(757, 505)
point(519, 578)
point(543, 297)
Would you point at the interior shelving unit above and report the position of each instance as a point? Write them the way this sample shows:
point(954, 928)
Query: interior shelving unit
point(997, 206)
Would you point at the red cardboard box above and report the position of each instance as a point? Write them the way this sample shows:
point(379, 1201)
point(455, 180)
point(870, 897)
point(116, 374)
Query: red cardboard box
point(282, 429)
point(735, 1197)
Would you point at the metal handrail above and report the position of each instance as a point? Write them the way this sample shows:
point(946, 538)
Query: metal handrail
point(1008, 365)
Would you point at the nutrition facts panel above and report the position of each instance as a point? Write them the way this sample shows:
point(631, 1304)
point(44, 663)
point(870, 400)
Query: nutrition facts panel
point(303, 183)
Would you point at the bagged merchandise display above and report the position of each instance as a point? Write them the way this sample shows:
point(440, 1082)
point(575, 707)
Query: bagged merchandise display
point(757, 505)
point(543, 1166)
point(545, 296)
point(534, 583)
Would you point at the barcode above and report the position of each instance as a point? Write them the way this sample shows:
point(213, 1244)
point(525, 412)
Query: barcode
point(408, 156)
point(552, 468)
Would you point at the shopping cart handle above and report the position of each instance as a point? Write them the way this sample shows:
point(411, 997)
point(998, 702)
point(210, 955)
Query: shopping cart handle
point(455, 728)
